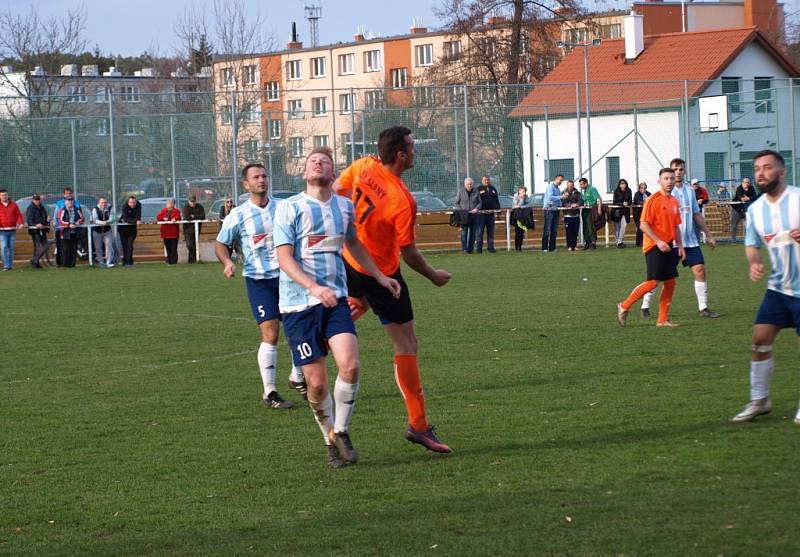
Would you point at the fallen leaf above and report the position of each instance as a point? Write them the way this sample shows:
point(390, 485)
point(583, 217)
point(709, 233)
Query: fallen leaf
point(569, 518)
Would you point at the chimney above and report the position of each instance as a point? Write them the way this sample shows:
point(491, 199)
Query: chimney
point(634, 36)
point(70, 70)
point(417, 27)
point(90, 71)
point(762, 14)
point(112, 72)
point(294, 43)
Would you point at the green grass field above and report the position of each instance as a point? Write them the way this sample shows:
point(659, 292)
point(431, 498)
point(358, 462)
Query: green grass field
point(131, 421)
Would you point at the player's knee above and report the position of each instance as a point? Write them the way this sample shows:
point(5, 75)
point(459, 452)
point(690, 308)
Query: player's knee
point(348, 371)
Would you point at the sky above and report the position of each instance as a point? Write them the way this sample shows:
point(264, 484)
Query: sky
point(130, 27)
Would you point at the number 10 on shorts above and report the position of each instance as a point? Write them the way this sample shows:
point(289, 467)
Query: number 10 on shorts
point(304, 350)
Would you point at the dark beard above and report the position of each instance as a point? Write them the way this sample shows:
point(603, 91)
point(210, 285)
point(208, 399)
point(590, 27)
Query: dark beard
point(769, 187)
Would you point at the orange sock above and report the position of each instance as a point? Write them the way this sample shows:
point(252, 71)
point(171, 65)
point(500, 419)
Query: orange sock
point(638, 292)
point(406, 373)
point(357, 308)
point(666, 300)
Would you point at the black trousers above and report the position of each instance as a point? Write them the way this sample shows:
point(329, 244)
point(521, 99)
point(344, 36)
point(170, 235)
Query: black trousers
point(69, 246)
point(39, 247)
point(519, 236)
point(128, 235)
point(171, 245)
point(59, 252)
point(191, 243)
point(572, 224)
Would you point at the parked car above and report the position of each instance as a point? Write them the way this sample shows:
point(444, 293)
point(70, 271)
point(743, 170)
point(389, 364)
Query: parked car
point(152, 205)
point(426, 201)
point(506, 201)
point(49, 201)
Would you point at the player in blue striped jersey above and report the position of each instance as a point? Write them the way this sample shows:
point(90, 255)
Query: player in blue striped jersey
point(250, 224)
point(311, 229)
point(691, 219)
point(773, 221)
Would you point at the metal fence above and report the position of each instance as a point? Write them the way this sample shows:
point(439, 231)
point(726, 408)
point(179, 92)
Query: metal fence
point(175, 144)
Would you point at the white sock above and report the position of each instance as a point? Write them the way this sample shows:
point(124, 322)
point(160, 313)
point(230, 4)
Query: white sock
point(297, 374)
point(323, 412)
point(647, 298)
point(760, 377)
point(701, 289)
point(345, 396)
point(267, 359)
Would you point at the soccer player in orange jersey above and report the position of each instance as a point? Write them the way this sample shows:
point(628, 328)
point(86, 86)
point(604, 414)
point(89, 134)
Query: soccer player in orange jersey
point(660, 222)
point(385, 213)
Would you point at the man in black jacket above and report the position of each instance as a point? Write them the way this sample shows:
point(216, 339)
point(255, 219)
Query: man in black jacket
point(489, 202)
point(745, 195)
point(192, 211)
point(38, 226)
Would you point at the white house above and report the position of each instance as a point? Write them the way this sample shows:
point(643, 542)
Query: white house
point(639, 89)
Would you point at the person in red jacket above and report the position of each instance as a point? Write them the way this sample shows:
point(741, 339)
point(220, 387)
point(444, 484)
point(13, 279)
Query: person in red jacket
point(170, 231)
point(10, 220)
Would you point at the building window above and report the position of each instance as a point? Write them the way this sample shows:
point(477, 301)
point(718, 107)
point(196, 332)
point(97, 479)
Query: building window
point(134, 158)
point(374, 99)
point(274, 129)
point(101, 94)
point(130, 94)
point(452, 51)
point(612, 173)
point(554, 167)
point(486, 47)
point(250, 114)
point(296, 108)
point(129, 127)
point(715, 166)
point(347, 64)
point(613, 31)
point(346, 103)
point(487, 92)
point(399, 78)
point(318, 67)
point(273, 91)
point(580, 35)
point(424, 54)
point(763, 94)
point(78, 95)
point(228, 77)
point(424, 96)
point(346, 140)
point(372, 61)
point(251, 149)
point(81, 127)
point(455, 95)
point(297, 146)
point(102, 126)
point(250, 75)
point(225, 115)
point(319, 106)
point(731, 87)
point(320, 141)
point(294, 70)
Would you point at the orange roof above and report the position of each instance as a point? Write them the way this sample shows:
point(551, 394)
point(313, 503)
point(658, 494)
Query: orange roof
point(697, 56)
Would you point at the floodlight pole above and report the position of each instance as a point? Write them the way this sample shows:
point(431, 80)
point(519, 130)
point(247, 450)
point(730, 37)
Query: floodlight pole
point(588, 113)
point(794, 132)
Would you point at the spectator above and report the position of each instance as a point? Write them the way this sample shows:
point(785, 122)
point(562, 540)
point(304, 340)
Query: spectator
point(551, 206)
point(71, 218)
point(10, 220)
point(224, 211)
point(592, 205)
point(572, 200)
point(621, 214)
point(701, 195)
point(192, 211)
point(170, 231)
point(488, 202)
point(82, 239)
point(638, 202)
point(38, 227)
point(722, 193)
point(520, 201)
point(744, 197)
point(467, 200)
point(130, 217)
point(103, 235)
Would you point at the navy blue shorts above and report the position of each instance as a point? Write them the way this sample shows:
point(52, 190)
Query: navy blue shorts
point(694, 256)
point(780, 310)
point(308, 330)
point(263, 296)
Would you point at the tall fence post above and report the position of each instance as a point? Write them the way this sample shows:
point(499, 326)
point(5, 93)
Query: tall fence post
point(269, 146)
point(74, 159)
point(794, 131)
point(363, 134)
point(466, 129)
point(547, 145)
point(580, 131)
point(234, 154)
point(455, 137)
point(588, 114)
point(172, 155)
point(110, 98)
point(688, 128)
point(353, 125)
point(636, 143)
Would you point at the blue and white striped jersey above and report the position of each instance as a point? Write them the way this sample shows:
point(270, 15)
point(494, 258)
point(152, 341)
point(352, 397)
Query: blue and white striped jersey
point(253, 225)
point(317, 231)
point(688, 202)
point(768, 224)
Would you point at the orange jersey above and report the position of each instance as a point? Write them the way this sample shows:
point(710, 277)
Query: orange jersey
point(663, 214)
point(385, 212)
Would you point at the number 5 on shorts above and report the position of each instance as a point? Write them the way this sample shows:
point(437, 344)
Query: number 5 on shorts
point(261, 312)
point(304, 350)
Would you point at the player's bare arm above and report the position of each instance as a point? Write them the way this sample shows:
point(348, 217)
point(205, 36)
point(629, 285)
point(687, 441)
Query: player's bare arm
point(291, 267)
point(414, 259)
point(700, 221)
point(361, 255)
point(679, 242)
point(660, 244)
point(221, 251)
point(756, 266)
